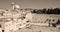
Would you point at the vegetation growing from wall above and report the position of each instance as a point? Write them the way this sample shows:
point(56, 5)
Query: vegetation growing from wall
point(47, 11)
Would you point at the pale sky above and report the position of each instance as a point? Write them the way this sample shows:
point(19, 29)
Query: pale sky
point(6, 4)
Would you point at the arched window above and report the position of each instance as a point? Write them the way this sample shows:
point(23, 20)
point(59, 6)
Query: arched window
point(27, 21)
point(2, 30)
point(0, 25)
point(53, 20)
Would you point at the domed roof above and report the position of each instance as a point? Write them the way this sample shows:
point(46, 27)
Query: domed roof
point(16, 6)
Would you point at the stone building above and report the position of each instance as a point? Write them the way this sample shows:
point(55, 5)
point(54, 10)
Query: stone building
point(14, 19)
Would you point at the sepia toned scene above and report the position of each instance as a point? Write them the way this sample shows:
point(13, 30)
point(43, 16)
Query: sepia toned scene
point(29, 15)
